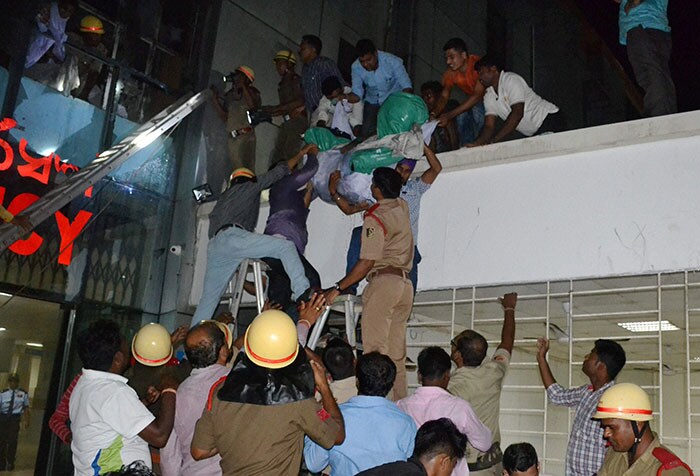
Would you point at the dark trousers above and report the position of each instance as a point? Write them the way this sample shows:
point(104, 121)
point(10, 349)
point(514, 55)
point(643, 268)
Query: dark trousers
point(369, 119)
point(279, 288)
point(9, 433)
point(554, 122)
point(354, 256)
point(649, 52)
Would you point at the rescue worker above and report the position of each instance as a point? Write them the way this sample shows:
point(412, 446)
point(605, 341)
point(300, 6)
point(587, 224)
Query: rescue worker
point(14, 403)
point(233, 110)
point(624, 411)
point(386, 258)
point(91, 72)
point(290, 107)
point(256, 418)
point(152, 351)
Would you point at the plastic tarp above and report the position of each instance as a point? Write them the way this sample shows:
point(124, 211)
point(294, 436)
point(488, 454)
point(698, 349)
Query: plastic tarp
point(399, 113)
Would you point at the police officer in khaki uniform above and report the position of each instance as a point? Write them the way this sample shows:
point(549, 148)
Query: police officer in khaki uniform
point(624, 411)
point(290, 108)
point(479, 381)
point(256, 418)
point(242, 97)
point(386, 258)
point(14, 402)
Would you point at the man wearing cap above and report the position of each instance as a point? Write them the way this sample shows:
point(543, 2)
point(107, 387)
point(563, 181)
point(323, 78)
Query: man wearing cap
point(290, 107)
point(91, 71)
point(412, 191)
point(232, 237)
point(386, 257)
point(586, 448)
point(624, 411)
point(256, 418)
point(207, 351)
point(14, 402)
point(233, 110)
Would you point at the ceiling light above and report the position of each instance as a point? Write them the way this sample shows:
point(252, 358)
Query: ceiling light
point(34, 344)
point(648, 326)
point(5, 295)
point(2, 329)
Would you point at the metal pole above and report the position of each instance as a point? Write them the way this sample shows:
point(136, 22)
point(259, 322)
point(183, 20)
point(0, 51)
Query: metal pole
point(105, 163)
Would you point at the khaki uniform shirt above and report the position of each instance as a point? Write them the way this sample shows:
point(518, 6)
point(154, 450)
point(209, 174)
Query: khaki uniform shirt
point(263, 439)
point(481, 387)
point(386, 235)
point(617, 464)
point(237, 118)
point(289, 90)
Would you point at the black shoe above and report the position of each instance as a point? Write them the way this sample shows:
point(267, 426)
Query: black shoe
point(306, 296)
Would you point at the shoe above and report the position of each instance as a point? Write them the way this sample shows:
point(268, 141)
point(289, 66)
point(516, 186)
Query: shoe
point(306, 295)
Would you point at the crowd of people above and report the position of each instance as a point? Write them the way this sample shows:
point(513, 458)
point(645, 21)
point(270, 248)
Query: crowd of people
point(265, 404)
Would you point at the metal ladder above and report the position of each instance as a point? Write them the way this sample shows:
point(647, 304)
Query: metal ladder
point(234, 291)
point(352, 307)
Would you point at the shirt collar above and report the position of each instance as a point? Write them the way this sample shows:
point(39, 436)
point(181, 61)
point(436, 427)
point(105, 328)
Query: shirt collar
point(369, 401)
point(91, 374)
point(431, 390)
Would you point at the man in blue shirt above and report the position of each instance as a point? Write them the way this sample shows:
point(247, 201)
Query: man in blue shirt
point(376, 431)
point(14, 402)
point(644, 29)
point(375, 76)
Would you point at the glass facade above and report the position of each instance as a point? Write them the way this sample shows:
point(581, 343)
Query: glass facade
point(104, 254)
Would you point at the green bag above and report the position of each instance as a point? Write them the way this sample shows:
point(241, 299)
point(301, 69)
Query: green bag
point(323, 138)
point(399, 113)
point(367, 160)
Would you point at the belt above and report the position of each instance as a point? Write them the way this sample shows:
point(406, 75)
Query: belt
point(227, 226)
point(388, 270)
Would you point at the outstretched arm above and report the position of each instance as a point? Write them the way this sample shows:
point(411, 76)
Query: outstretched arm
point(508, 301)
point(545, 371)
point(431, 174)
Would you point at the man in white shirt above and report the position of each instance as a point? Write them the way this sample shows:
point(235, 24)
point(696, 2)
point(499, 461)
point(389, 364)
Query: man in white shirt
point(333, 94)
point(509, 97)
point(110, 425)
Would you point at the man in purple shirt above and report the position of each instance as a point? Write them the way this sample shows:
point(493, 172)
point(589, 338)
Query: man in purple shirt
point(289, 209)
point(432, 401)
point(207, 351)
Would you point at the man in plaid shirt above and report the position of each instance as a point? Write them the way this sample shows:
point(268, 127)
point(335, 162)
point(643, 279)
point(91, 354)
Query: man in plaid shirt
point(586, 449)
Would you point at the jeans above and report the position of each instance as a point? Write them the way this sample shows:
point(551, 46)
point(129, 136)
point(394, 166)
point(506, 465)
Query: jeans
point(226, 251)
point(470, 123)
point(354, 256)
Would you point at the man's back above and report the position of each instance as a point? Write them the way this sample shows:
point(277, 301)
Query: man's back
point(106, 418)
point(262, 439)
point(481, 387)
point(376, 432)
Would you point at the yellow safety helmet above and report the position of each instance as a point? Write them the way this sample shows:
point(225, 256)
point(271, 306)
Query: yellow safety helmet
point(151, 345)
point(271, 340)
point(91, 24)
point(625, 401)
point(287, 55)
point(248, 71)
point(242, 172)
point(224, 328)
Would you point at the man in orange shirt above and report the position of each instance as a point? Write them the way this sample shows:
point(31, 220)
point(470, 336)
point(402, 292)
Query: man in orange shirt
point(469, 115)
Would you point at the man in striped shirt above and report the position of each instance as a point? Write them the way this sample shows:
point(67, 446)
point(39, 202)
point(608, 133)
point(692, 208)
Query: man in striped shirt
point(586, 449)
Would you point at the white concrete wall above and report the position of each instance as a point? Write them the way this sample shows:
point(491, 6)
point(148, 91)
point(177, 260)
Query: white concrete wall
point(611, 200)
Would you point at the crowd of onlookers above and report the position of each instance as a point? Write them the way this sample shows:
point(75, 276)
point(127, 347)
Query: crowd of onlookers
point(265, 403)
